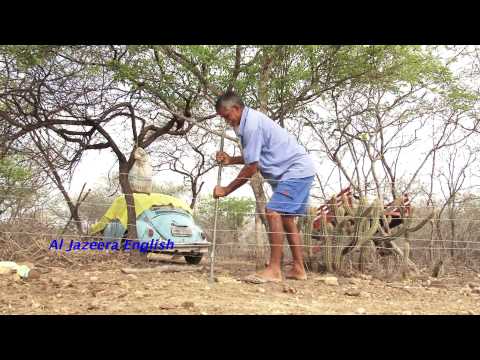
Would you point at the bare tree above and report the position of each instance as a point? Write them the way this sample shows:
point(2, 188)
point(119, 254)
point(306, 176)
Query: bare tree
point(371, 133)
point(189, 157)
point(83, 108)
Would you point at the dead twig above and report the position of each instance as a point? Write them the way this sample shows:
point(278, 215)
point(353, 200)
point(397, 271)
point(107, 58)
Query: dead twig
point(163, 268)
point(400, 288)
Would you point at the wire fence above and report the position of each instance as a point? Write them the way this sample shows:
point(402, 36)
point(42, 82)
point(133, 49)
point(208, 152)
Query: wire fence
point(46, 215)
point(45, 225)
point(206, 203)
point(263, 232)
point(314, 234)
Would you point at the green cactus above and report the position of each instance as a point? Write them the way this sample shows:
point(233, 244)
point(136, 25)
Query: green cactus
point(342, 238)
point(305, 224)
point(391, 264)
point(340, 213)
point(326, 231)
point(368, 224)
point(374, 221)
point(365, 221)
point(365, 252)
point(348, 208)
point(356, 226)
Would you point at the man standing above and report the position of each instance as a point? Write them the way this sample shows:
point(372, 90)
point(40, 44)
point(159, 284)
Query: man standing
point(284, 164)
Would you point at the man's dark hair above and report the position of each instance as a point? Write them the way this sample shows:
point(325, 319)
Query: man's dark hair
point(227, 100)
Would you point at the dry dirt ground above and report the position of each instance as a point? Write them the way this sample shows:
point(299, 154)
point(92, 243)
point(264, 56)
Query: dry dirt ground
point(102, 288)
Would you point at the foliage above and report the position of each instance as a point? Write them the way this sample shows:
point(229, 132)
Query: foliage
point(233, 214)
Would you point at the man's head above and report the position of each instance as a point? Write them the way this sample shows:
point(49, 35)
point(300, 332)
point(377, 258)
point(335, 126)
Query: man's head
point(230, 107)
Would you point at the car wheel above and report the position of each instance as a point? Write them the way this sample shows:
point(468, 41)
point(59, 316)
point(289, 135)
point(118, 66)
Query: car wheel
point(193, 259)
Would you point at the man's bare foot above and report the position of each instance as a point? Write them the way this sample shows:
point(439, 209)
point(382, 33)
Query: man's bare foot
point(297, 273)
point(267, 275)
point(270, 274)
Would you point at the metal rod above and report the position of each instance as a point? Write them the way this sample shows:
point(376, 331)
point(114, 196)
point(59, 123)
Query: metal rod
point(214, 241)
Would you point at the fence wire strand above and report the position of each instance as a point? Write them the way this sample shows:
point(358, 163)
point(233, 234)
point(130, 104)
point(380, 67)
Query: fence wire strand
point(59, 236)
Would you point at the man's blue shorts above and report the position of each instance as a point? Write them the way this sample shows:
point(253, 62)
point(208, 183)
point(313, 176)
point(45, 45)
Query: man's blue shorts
point(291, 196)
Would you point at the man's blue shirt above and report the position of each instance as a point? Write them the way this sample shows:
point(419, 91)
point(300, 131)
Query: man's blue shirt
point(279, 155)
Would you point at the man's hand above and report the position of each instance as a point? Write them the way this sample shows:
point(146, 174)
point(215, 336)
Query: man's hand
point(223, 158)
point(219, 191)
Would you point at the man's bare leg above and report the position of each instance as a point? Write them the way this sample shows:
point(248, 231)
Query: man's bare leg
point(273, 271)
point(298, 270)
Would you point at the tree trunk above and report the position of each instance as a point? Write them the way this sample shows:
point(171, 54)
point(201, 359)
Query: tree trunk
point(73, 209)
point(58, 182)
point(452, 231)
point(127, 191)
point(256, 181)
point(195, 192)
point(260, 218)
point(74, 212)
point(194, 199)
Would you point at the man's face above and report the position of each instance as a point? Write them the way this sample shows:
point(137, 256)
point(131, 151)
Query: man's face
point(232, 115)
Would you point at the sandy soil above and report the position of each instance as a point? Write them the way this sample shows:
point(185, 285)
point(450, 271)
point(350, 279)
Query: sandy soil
point(102, 288)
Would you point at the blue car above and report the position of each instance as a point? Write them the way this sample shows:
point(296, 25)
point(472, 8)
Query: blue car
point(164, 223)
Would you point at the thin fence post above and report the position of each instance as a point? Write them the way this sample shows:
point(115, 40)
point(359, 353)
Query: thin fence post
point(219, 180)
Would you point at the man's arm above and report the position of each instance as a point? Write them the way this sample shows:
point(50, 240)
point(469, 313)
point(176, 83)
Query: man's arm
point(237, 160)
point(243, 176)
point(246, 173)
point(250, 155)
point(225, 159)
